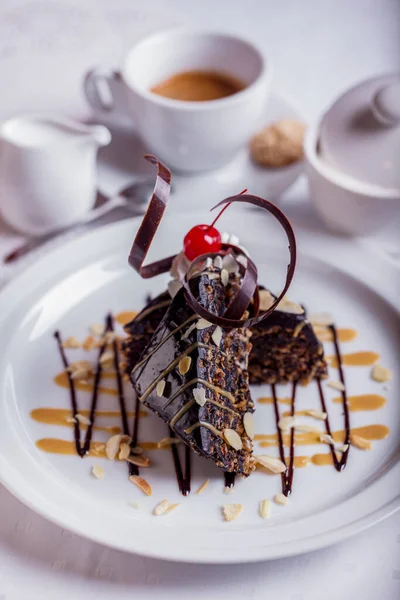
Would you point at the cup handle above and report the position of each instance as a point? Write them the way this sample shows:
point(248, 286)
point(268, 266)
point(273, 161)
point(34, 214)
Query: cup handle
point(104, 91)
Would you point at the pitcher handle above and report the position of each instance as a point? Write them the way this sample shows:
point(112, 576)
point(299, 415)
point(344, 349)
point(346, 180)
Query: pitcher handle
point(103, 90)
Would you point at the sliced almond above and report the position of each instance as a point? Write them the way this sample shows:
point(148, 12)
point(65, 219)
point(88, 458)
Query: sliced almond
point(217, 336)
point(224, 277)
point(360, 442)
point(134, 504)
point(71, 342)
point(171, 507)
point(286, 423)
point(125, 439)
point(233, 438)
point(248, 424)
point(82, 419)
point(203, 324)
point(98, 472)
point(203, 487)
point(107, 358)
point(218, 262)
point(232, 511)
point(229, 489)
point(317, 414)
point(160, 388)
point(188, 331)
point(81, 369)
point(281, 499)
point(89, 343)
point(161, 508)
point(199, 395)
point(275, 465)
point(381, 374)
point(321, 319)
point(325, 438)
point(298, 328)
point(336, 385)
point(140, 460)
point(287, 306)
point(97, 329)
point(344, 448)
point(141, 484)
point(184, 365)
point(112, 446)
point(304, 428)
point(266, 299)
point(70, 420)
point(124, 451)
point(229, 263)
point(265, 508)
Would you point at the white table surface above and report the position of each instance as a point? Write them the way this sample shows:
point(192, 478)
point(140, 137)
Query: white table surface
point(318, 47)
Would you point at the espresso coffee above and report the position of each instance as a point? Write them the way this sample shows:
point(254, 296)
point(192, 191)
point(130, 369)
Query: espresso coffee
point(198, 86)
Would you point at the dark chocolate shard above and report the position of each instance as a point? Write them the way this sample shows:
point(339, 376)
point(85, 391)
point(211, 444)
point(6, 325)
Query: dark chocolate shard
point(194, 375)
point(285, 348)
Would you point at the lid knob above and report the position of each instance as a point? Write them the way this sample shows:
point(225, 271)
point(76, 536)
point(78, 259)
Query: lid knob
point(386, 105)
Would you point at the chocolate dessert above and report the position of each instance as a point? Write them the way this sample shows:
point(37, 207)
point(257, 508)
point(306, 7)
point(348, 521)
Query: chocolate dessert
point(285, 347)
point(194, 376)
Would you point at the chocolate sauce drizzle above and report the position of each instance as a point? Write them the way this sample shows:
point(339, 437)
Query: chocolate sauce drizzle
point(229, 479)
point(286, 476)
point(183, 479)
point(338, 464)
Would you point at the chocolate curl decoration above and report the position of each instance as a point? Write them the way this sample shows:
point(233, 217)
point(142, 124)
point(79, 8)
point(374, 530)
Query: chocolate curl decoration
point(150, 223)
point(232, 317)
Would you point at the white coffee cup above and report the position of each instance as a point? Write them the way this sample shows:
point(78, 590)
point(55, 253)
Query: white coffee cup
point(187, 136)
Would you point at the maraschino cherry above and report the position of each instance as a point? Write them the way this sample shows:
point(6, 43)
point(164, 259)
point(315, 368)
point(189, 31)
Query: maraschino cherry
point(203, 239)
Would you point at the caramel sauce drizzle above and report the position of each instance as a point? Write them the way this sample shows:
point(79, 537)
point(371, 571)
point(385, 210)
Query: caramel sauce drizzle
point(354, 359)
point(270, 400)
point(368, 432)
point(363, 402)
point(126, 316)
point(62, 380)
point(324, 334)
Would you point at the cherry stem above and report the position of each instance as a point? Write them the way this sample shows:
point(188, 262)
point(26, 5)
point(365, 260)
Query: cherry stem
point(225, 207)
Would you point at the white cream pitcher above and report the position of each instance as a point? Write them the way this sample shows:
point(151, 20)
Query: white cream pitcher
point(47, 171)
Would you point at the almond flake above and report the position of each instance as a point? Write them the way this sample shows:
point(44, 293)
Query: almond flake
point(199, 395)
point(203, 487)
point(317, 414)
point(124, 451)
point(218, 262)
point(139, 460)
point(232, 511)
point(161, 508)
point(71, 342)
point(286, 423)
point(381, 374)
point(304, 428)
point(107, 358)
point(142, 484)
point(70, 420)
point(217, 336)
point(125, 439)
point(97, 329)
point(360, 442)
point(82, 419)
point(224, 277)
point(112, 446)
point(281, 499)
point(344, 448)
point(229, 490)
point(171, 507)
point(89, 343)
point(134, 504)
point(160, 388)
point(81, 369)
point(188, 331)
point(98, 472)
point(184, 365)
point(325, 438)
point(203, 324)
point(173, 287)
point(233, 439)
point(265, 508)
point(298, 328)
point(321, 319)
point(287, 306)
point(336, 385)
point(266, 299)
point(275, 465)
point(248, 424)
point(229, 263)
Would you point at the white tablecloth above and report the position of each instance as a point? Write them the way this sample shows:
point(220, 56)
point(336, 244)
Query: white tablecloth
point(318, 48)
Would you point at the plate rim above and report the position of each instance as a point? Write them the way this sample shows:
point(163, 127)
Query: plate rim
point(340, 532)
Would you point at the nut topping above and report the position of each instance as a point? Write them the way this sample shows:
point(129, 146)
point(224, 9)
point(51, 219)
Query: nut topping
point(141, 484)
point(381, 374)
point(275, 465)
point(233, 438)
point(265, 509)
point(248, 424)
point(184, 365)
point(232, 511)
point(98, 472)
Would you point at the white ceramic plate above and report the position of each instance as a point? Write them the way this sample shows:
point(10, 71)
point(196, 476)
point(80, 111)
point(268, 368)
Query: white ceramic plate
point(77, 284)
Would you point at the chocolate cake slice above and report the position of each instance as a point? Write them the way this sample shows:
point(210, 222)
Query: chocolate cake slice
point(285, 347)
point(141, 329)
point(194, 376)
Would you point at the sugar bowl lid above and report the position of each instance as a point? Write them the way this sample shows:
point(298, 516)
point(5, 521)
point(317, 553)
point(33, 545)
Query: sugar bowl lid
point(360, 133)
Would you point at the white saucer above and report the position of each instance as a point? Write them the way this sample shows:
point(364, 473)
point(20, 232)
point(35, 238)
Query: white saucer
point(122, 161)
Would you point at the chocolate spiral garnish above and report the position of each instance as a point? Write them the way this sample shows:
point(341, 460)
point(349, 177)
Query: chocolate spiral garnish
point(247, 290)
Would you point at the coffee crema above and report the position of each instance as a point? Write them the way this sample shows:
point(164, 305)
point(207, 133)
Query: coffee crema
point(198, 86)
